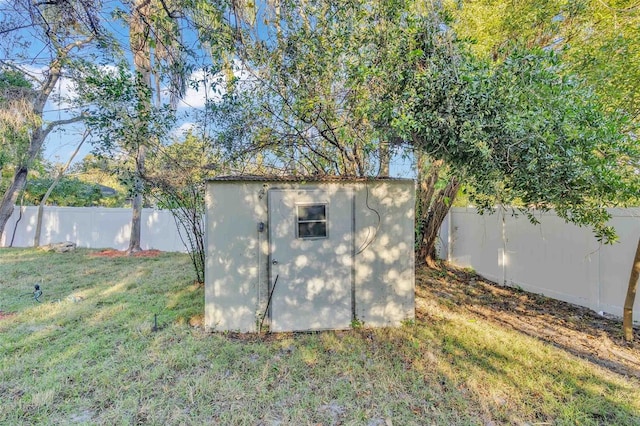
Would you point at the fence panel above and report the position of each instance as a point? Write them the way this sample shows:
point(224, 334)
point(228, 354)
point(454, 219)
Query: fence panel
point(476, 241)
point(92, 227)
point(616, 261)
point(554, 258)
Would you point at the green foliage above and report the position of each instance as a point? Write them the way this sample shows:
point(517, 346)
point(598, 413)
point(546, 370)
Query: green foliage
point(70, 192)
point(16, 117)
point(122, 119)
point(103, 171)
point(307, 102)
point(118, 109)
point(11, 79)
point(182, 163)
point(357, 324)
point(175, 178)
point(90, 182)
point(597, 38)
point(523, 132)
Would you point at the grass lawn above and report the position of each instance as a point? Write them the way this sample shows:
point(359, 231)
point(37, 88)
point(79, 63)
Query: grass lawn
point(88, 355)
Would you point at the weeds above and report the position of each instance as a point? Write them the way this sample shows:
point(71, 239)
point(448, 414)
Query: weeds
point(89, 354)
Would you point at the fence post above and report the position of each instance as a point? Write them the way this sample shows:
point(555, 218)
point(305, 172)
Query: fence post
point(449, 236)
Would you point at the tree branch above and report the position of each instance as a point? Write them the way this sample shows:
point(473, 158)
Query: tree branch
point(77, 44)
point(18, 69)
point(21, 27)
point(57, 123)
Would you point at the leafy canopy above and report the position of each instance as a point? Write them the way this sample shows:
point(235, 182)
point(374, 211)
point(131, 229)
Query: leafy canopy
point(598, 38)
point(523, 130)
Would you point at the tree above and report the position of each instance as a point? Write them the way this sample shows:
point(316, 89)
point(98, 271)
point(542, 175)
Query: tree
point(304, 96)
point(597, 38)
point(121, 119)
point(176, 180)
point(598, 41)
point(175, 169)
point(63, 28)
point(153, 38)
point(522, 133)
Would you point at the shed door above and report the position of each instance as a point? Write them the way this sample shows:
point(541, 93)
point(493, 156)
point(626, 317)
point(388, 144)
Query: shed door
point(311, 239)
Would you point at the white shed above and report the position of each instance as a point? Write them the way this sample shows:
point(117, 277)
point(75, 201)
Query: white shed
point(314, 254)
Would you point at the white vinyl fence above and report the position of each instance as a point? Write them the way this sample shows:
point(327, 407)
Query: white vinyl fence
point(92, 227)
point(554, 258)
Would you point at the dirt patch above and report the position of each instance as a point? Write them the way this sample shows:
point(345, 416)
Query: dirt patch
point(197, 321)
point(4, 315)
point(578, 330)
point(117, 253)
point(83, 416)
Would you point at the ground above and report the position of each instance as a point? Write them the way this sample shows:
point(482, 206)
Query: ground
point(5, 315)
point(117, 253)
point(118, 339)
point(578, 330)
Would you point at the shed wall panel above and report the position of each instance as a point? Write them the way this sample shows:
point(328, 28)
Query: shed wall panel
point(237, 269)
point(384, 268)
point(232, 279)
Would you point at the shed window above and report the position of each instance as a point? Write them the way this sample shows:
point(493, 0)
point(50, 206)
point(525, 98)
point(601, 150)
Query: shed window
point(312, 221)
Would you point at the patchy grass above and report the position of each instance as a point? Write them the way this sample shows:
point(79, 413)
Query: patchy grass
point(88, 355)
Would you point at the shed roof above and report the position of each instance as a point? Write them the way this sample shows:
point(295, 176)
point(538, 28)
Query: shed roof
point(299, 178)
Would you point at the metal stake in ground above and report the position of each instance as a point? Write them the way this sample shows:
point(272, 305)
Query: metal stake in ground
point(268, 303)
point(37, 293)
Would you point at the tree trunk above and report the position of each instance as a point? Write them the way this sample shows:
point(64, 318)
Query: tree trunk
point(431, 207)
point(426, 184)
point(435, 215)
point(429, 214)
point(36, 238)
point(136, 205)
point(385, 158)
point(136, 219)
point(627, 315)
point(11, 195)
point(140, 43)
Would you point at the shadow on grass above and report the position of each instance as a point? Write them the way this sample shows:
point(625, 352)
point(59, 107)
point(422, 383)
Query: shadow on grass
point(98, 360)
point(572, 328)
point(503, 377)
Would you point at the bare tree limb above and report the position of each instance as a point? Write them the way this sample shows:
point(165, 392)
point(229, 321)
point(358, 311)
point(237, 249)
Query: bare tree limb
point(63, 169)
point(57, 123)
